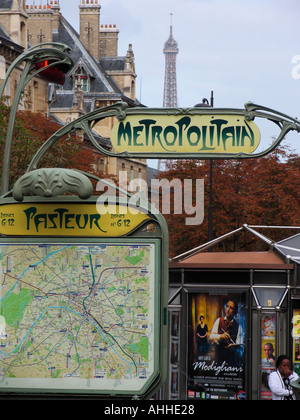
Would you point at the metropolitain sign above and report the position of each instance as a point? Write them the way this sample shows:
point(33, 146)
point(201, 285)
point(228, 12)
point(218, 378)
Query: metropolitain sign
point(179, 133)
point(185, 134)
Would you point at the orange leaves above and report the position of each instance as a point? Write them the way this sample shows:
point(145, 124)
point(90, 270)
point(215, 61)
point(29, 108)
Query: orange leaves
point(252, 191)
point(31, 130)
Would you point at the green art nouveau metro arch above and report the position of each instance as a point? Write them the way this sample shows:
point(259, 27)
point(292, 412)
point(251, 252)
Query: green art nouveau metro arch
point(183, 117)
point(39, 59)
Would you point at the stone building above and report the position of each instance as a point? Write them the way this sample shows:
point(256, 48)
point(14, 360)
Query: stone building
point(13, 41)
point(99, 78)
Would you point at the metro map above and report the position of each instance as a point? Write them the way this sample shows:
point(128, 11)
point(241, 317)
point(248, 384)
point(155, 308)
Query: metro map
point(77, 317)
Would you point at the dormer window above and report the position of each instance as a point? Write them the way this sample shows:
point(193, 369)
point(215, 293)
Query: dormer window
point(81, 80)
point(81, 75)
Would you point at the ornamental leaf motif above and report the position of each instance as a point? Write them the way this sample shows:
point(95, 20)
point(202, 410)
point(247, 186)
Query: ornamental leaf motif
point(52, 182)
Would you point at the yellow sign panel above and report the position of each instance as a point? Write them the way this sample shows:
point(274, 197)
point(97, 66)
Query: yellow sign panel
point(202, 134)
point(63, 219)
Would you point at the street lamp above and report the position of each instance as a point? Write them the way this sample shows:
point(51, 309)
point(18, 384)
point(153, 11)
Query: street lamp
point(51, 61)
point(205, 103)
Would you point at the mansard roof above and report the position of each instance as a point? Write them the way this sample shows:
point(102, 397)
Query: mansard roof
point(113, 63)
point(100, 81)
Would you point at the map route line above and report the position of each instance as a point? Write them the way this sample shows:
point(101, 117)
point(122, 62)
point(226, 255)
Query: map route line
point(115, 363)
point(48, 295)
point(111, 336)
point(98, 323)
point(28, 284)
point(78, 315)
point(35, 323)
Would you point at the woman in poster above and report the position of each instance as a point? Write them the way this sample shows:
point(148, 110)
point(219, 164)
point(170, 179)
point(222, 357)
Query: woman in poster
point(201, 337)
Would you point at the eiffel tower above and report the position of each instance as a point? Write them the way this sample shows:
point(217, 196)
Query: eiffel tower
point(170, 89)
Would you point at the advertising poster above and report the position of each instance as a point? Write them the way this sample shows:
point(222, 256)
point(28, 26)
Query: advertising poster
point(174, 361)
point(268, 356)
point(296, 337)
point(216, 346)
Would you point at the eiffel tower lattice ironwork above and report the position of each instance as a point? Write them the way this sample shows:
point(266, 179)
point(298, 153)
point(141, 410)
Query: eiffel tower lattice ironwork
point(170, 89)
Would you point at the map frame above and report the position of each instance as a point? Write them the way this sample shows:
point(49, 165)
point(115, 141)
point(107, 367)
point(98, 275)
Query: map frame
point(159, 308)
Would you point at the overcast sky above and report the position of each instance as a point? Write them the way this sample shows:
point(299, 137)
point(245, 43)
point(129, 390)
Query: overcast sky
point(242, 50)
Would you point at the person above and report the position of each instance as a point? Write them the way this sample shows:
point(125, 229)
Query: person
point(226, 335)
point(280, 380)
point(175, 322)
point(174, 353)
point(269, 360)
point(268, 326)
point(201, 337)
point(174, 382)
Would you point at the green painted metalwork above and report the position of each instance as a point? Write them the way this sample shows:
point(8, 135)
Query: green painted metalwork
point(52, 182)
point(120, 110)
point(141, 235)
point(57, 53)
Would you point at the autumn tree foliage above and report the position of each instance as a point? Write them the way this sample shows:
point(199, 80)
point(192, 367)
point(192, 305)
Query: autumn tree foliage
point(31, 130)
point(261, 191)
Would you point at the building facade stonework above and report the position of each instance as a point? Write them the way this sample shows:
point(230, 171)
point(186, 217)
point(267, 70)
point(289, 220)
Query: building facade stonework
point(14, 40)
point(98, 79)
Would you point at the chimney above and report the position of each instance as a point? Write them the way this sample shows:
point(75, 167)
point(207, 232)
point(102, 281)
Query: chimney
point(43, 21)
point(89, 12)
point(109, 41)
point(55, 7)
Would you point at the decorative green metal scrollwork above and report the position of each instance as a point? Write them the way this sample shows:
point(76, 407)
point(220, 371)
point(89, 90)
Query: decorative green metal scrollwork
point(57, 55)
point(120, 110)
point(52, 182)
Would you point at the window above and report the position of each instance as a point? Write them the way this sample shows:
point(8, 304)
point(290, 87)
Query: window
point(81, 80)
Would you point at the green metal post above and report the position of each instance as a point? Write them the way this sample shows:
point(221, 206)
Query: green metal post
point(57, 53)
point(10, 129)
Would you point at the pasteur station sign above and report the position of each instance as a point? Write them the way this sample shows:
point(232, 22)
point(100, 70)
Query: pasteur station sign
point(75, 219)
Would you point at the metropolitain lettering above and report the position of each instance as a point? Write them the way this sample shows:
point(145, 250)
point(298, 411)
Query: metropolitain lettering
point(217, 135)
